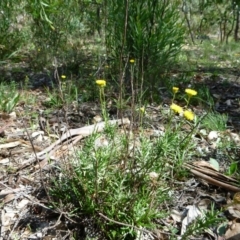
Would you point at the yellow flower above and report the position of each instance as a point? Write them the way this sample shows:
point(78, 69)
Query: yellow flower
point(188, 115)
point(132, 61)
point(101, 83)
point(190, 92)
point(176, 108)
point(175, 89)
point(63, 76)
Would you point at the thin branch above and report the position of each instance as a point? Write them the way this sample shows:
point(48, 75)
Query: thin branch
point(129, 225)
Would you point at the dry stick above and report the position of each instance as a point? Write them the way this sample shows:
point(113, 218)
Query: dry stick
point(84, 131)
point(121, 56)
point(35, 155)
point(142, 79)
point(129, 225)
point(45, 207)
point(10, 191)
point(214, 181)
point(55, 225)
point(64, 237)
point(213, 173)
point(58, 79)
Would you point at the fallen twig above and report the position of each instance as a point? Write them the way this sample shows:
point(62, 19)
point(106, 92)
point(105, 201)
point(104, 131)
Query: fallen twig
point(70, 136)
point(129, 225)
point(214, 177)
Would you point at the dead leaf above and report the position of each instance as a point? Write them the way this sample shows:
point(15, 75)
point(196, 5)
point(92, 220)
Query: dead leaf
point(234, 210)
point(203, 204)
point(9, 198)
point(233, 232)
point(214, 163)
point(235, 137)
point(203, 164)
point(97, 119)
point(5, 161)
point(176, 215)
point(192, 213)
point(22, 203)
point(10, 145)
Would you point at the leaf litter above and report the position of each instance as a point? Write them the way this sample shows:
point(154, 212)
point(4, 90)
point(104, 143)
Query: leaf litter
point(26, 150)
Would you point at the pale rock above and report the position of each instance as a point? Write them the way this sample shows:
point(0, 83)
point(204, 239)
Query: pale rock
point(213, 135)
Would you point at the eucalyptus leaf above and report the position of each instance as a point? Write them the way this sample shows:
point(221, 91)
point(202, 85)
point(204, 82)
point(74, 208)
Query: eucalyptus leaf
point(214, 163)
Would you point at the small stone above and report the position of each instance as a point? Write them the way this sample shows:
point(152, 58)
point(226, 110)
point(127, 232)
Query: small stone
point(213, 135)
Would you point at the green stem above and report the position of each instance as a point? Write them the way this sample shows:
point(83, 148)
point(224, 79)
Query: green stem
point(103, 103)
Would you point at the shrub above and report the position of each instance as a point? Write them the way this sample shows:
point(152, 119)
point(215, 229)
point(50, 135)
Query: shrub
point(149, 31)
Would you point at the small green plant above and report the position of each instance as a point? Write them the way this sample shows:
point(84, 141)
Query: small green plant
point(215, 121)
point(54, 99)
point(122, 181)
point(205, 97)
point(103, 183)
point(9, 97)
point(201, 224)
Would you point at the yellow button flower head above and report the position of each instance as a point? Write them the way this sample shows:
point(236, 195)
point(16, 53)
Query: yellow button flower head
point(176, 108)
point(101, 83)
point(188, 115)
point(132, 61)
point(63, 76)
point(175, 89)
point(190, 92)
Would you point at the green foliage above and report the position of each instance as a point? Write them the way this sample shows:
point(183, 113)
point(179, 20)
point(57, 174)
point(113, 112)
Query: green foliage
point(49, 28)
point(233, 168)
point(103, 182)
point(204, 97)
point(54, 99)
point(65, 93)
point(150, 32)
point(9, 97)
point(215, 121)
point(218, 19)
point(201, 224)
point(136, 175)
point(12, 25)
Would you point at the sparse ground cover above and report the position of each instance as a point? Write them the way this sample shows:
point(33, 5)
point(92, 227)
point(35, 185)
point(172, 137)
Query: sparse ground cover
point(97, 142)
point(130, 180)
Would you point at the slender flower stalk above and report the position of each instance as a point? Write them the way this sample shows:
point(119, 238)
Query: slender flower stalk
point(101, 84)
point(142, 113)
point(175, 90)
